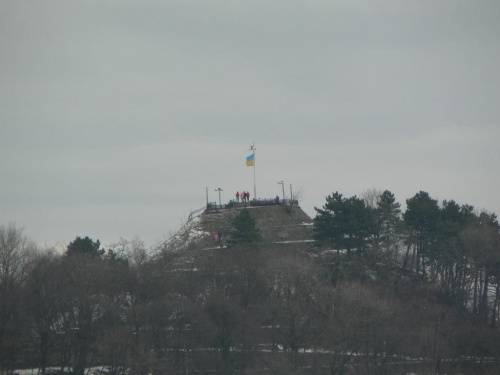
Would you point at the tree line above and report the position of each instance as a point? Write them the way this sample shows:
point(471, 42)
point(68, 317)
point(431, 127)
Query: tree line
point(380, 292)
point(448, 246)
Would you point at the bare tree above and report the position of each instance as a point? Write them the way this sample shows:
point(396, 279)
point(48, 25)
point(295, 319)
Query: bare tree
point(85, 297)
point(133, 250)
point(292, 280)
point(298, 195)
point(355, 325)
point(372, 197)
point(42, 302)
point(16, 253)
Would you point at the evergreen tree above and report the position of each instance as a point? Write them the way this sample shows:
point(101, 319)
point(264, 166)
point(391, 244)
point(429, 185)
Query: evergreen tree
point(422, 216)
point(344, 223)
point(389, 221)
point(360, 223)
point(85, 246)
point(328, 225)
point(450, 225)
point(245, 228)
point(452, 263)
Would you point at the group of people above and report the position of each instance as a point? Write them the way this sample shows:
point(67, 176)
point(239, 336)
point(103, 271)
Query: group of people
point(245, 196)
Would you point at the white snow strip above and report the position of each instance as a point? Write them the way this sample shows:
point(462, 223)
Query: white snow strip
point(302, 241)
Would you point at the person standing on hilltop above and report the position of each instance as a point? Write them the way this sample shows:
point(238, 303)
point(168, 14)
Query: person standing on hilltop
point(237, 196)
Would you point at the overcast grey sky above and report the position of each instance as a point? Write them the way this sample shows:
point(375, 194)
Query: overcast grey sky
point(116, 114)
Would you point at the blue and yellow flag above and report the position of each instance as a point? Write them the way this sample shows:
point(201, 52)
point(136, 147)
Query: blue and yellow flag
point(251, 160)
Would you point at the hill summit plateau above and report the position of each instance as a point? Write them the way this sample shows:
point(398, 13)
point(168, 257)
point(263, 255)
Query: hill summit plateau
point(210, 227)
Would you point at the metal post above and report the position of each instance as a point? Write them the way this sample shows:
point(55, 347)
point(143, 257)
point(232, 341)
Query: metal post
point(283, 186)
point(252, 148)
point(219, 190)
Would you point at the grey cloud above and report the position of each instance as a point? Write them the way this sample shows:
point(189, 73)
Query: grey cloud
point(127, 110)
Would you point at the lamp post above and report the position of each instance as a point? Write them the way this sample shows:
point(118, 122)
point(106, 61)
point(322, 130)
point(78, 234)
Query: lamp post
point(252, 148)
point(219, 190)
point(283, 186)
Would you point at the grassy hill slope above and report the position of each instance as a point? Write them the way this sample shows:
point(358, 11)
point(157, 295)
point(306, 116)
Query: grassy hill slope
point(278, 225)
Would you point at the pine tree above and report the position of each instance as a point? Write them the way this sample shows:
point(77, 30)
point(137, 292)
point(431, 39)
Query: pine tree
point(389, 222)
point(453, 262)
point(245, 229)
point(85, 246)
point(328, 228)
point(422, 216)
point(344, 223)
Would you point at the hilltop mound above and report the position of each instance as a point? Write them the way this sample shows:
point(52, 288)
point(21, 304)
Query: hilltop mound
point(278, 224)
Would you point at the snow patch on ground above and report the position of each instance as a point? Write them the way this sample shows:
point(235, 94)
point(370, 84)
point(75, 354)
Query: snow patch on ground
point(56, 370)
point(190, 232)
point(302, 241)
point(195, 234)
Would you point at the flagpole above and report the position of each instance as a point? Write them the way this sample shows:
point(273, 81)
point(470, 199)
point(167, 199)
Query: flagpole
point(252, 148)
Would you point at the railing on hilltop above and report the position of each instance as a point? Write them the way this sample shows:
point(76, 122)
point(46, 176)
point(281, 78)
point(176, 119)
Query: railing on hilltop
point(213, 206)
point(253, 203)
point(195, 213)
